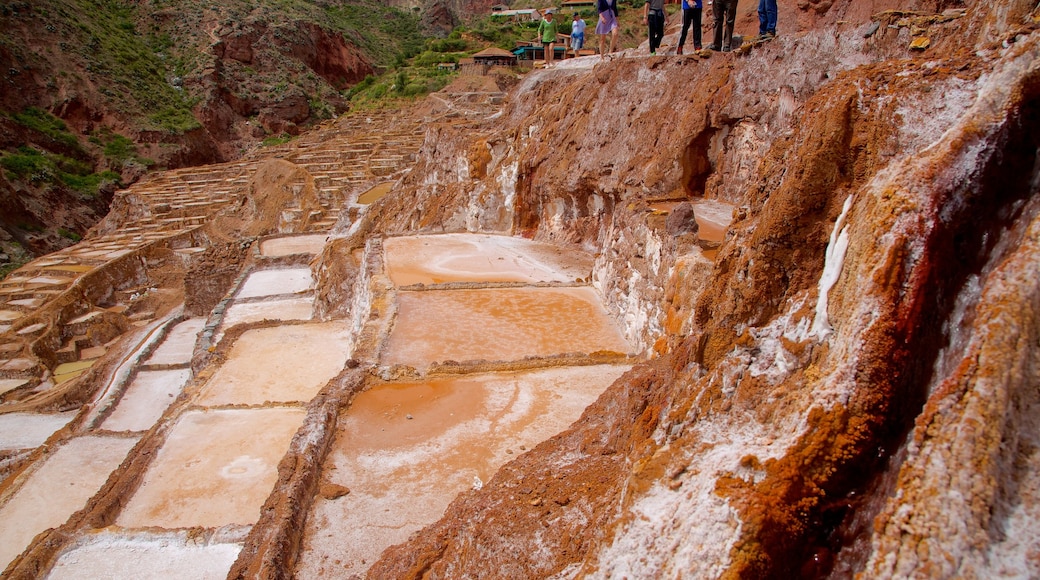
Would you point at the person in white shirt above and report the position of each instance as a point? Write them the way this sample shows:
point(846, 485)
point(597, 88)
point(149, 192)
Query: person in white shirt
point(577, 33)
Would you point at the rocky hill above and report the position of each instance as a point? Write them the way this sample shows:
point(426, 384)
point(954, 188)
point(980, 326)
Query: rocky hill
point(98, 92)
point(843, 384)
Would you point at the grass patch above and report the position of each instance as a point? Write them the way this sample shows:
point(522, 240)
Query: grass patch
point(41, 168)
point(275, 140)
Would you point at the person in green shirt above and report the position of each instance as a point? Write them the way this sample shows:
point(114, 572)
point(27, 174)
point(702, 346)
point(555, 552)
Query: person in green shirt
point(547, 32)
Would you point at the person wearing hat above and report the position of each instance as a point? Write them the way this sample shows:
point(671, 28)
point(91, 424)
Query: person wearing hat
point(547, 32)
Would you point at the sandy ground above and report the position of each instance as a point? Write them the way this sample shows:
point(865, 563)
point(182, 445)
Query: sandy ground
point(62, 485)
point(216, 468)
point(480, 258)
point(405, 450)
point(499, 325)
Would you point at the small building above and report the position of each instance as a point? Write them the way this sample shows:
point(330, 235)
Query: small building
point(495, 56)
point(484, 61)
point(499, 8)
point(525, 15)
point(576, 5)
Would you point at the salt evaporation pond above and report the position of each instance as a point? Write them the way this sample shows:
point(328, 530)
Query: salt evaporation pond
point(288, 363)
point(28, 430)
point(480, 258)
point(150, 393)
point(502, 324)
point(216, 468)
point(405, 450)
point(299, 308)
point(168, 556)
point(713, 217)
point(59, 488)
point(179, 344)
point(289, 245)
point(274, 282)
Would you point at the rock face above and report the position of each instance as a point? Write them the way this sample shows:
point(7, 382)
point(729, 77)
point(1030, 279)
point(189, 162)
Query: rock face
point(851, 386)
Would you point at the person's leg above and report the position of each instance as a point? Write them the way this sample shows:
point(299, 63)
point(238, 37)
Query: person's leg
point(687, 18)
point(613, 39)
point(549, 54)
point(719, 10)
point(763, 19)
point(656, 22)
point(771, 16)
point(696, 28)
point(731, 19)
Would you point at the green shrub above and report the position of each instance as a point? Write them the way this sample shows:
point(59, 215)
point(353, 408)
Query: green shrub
point(46, 123)
point(274, 140)
point(25, 163)
point(69, 234)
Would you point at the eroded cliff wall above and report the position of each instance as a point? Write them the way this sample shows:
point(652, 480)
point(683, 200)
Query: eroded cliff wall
point(849, 386)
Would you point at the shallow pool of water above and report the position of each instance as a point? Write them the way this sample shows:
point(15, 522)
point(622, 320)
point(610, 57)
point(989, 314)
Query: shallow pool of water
point(405, 450)
point(502, 324)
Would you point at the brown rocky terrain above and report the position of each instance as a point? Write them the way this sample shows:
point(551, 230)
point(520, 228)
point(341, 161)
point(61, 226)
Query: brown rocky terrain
point(844, 384)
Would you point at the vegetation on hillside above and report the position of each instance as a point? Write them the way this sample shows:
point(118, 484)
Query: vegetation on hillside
point(418, 74)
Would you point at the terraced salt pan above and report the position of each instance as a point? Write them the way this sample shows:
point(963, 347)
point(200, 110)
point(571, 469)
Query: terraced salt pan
point(146, 398)
point(500, 324)
point(62, 486)
point(11, 384)
point(274, 282)
point(282, 364)
point(288, 245)
point(216, 468)
point(169, 556)
point(179, 344)
point(28, 430)
point(405, 450)
point(300, 308)
point(480, 258)
point(713, 217)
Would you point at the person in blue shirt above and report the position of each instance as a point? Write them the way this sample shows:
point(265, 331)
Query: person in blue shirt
point(691, 15)
point(766, 19)
point(577, 33)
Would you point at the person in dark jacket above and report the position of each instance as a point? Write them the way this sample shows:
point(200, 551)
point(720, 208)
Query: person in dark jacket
point(655, 18)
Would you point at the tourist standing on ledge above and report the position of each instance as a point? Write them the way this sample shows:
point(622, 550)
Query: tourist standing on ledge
point(725, 16)
point(577, 33)
point(691, 14)
point(547, 32)
point(654, 18)
point(607, 23)
point(766, 19)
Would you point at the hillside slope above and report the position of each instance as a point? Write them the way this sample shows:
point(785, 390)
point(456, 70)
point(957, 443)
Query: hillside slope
point(847, 387)
point(96, 92)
